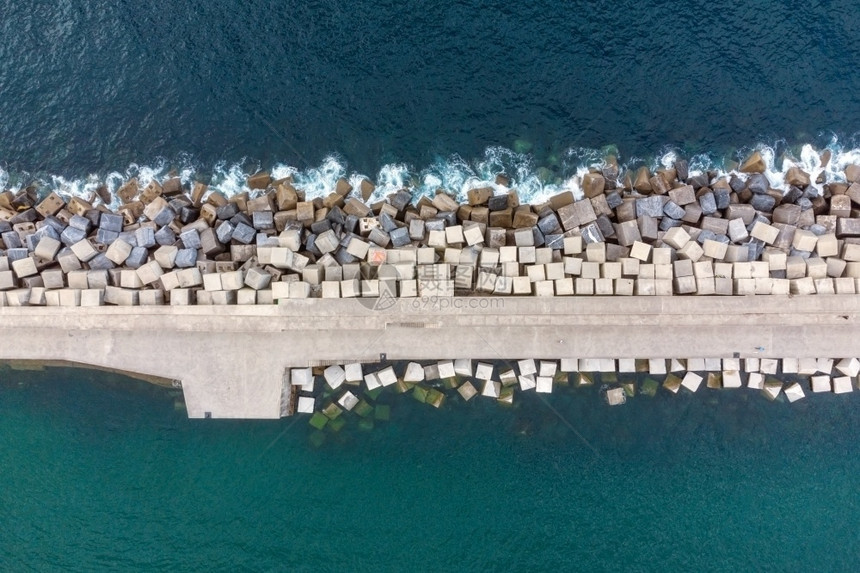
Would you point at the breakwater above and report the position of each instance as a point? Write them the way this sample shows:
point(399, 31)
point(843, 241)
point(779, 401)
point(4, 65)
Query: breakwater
point(667, 232)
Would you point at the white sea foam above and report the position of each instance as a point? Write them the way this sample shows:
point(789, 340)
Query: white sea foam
point(534, 182)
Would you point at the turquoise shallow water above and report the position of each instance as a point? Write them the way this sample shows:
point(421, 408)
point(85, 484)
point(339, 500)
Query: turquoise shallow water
point(103, 472)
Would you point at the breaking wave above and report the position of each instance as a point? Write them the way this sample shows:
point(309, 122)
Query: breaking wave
point(535, 180)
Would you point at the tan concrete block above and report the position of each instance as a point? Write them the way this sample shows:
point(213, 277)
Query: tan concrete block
point(816, 268)
point(522, 285)
point(844, 285)
point(804, 240)
point(590, 270)
point(603, 287)
point(564, 287)
point(714, 249)
point(764, 232)
point(795, 267)
point(646, 271)
point(663, 272)
point(629, 267)
point(573, 245)
point(544, 288)
point(824, 286)
point(802, 286)
point(584, 286)
point(691, 251)
point(776, 260)
point(640, 251)
point(827, 246)
point(611, 270)
point(624, 286)
point(676, 237)
point(573, 266)
point(780, 287)
point(744, 287)
point(663, 287)
point(595, 252)
point(705, 286)
point(646, 287)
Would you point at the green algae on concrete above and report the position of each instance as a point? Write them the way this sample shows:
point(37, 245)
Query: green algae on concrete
point(649, 387)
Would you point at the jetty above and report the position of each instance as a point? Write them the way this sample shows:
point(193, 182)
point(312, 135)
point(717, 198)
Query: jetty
point(226, 296)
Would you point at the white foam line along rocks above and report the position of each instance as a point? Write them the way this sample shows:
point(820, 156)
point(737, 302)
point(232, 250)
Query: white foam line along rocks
point(666, 232)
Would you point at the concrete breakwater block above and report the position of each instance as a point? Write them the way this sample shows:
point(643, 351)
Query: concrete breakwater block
point(638, 233)
point(794, 392)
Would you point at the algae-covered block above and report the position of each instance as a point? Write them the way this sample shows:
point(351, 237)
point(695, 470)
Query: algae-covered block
point(672, 383)
point(363, 408)
point(506, 398)
point(715, 380)
point(402, 387)
point(382, 412)
point(332, 411)
point(508, 378)
point(649, 387)
point(365, 424)
point(451, 383)
point(318, 420)
point(467, 391)
point(336, 424)
point(629, 389)
point(435, 398)
point(420, 393)
point(374, 394)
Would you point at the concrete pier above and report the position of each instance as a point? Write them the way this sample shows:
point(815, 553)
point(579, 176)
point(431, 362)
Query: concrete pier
point(231, 360)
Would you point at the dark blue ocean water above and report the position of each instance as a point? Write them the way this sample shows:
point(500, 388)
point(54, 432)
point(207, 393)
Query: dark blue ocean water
point(92, 87)
point(100, 473)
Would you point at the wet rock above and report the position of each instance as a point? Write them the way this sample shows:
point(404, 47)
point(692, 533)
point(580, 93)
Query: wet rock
point(681, 169)
point(758, 183)
point(259, 180)
point(642, 181)
point(754, 164)
point(593, 184)
point(796, 176)
point(480, 195)
point(852, 173)
point(763, 203)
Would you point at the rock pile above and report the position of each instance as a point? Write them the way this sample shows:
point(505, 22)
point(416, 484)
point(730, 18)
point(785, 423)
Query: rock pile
point(643, 233)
